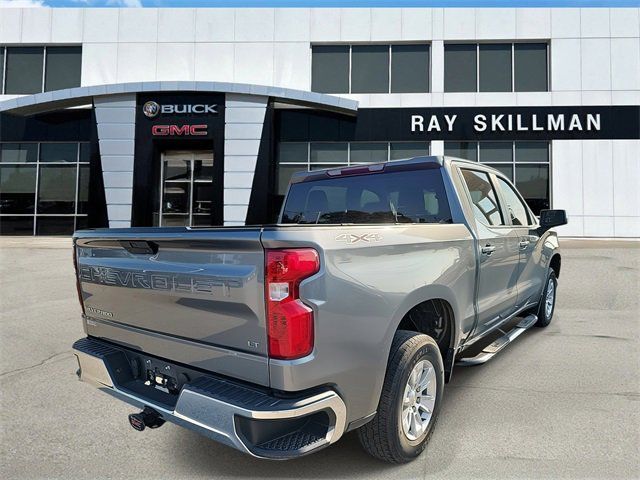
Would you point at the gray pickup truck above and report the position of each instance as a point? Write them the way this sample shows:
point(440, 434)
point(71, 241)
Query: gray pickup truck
point(350, 313)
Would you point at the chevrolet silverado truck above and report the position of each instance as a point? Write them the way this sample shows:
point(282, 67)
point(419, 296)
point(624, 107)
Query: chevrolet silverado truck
point(348, 314)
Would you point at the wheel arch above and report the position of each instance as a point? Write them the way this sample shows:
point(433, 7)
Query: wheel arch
point(419, 312)
point(555, 263)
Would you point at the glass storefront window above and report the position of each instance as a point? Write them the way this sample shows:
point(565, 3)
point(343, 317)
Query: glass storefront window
point(409, 68)
point(44, 189)
point(533, 183)
point(177, 170)
point(203, 169)
point(402, 150)
point(460, 68)
point(285, 172)
point(496, 152)
point(83, 189)
point(57, 189)
point(537, 152)
point(464, 150)
point(16, 225)
point(55, 226)
point(293, 152)
point(59, 152)
point(63, 67)
point(530, 65)
point(202, 195)
point(368, 152)
point(502, 67)
point(18, 152)
point(176, 198)
point(329, 152)
point(495, 67)
point(25, 66)
point(330, 68)
point(370, 69)
point(24, 70)
point(504, 168)
point(17, 188)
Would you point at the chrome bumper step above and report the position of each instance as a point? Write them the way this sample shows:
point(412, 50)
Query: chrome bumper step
point(243, 417)
point(499, 344)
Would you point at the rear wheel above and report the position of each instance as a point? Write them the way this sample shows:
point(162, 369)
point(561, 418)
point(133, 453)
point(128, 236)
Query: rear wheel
point(548, 301)
point(410, 400)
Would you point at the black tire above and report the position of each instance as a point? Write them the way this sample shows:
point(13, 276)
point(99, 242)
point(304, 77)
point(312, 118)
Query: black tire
point(544, 318)
point(383, 437)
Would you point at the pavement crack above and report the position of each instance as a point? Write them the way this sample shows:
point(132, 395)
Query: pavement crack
point(49, 359)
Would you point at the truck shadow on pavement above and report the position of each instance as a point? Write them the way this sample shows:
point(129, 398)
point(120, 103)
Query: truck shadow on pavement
point(346, 458)
point(210, 458)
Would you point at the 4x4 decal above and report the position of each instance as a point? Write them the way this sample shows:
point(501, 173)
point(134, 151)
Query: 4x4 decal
point(354, 238)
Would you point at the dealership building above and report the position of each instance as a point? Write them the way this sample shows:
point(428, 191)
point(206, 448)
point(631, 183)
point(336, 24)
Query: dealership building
point(195, 117)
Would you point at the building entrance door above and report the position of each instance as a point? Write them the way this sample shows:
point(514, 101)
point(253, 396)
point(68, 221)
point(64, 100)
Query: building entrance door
point(186, 189)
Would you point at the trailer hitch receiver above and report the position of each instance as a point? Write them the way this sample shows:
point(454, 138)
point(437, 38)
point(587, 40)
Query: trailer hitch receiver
point(146, 418)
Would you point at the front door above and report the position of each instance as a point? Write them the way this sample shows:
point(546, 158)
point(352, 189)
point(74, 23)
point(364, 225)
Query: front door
point(186, 191)
point(530, 276)
point(498, 249)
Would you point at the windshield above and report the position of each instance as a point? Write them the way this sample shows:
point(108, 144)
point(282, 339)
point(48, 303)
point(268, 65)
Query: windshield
point(414, 196)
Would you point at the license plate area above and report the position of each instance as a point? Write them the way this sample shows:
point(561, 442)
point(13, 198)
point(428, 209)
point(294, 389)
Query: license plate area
point(156, 379)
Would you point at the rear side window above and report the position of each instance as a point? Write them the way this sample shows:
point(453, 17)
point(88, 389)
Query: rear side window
point(416, 196)
point(484, 200)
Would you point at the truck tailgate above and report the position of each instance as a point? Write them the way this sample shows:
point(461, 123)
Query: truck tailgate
point(191, 296)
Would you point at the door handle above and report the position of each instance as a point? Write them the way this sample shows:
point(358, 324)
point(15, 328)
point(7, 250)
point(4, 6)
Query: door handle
point(488, 249)
point(524, 244)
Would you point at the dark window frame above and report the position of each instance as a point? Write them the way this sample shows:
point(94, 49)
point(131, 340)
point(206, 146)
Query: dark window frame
point(3, 70)
point(546, 43)
point(390, 47)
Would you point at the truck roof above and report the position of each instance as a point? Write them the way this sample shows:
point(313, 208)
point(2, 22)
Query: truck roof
point(407, 164)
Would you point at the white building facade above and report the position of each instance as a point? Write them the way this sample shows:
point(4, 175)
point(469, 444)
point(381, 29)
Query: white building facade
point(245, 97)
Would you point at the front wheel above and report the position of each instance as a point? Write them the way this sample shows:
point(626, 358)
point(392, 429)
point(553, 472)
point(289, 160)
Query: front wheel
point(548, 301)
point(409, 402)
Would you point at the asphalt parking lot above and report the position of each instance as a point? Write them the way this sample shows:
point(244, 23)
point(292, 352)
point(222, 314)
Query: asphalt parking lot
point(560, 402)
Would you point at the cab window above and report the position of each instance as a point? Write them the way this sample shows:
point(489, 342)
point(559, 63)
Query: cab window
point(514, 206)
point(415, 196)
point(484, 200)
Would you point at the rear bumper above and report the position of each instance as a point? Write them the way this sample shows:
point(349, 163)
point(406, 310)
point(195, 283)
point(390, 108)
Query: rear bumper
point(239, 416)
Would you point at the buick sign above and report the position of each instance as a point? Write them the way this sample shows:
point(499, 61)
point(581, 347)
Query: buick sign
point(151, 109)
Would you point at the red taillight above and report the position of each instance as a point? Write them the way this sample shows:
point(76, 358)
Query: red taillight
point(289, 321)
point(75, 269)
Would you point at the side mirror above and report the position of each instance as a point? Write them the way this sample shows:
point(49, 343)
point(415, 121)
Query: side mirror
point(551, 218)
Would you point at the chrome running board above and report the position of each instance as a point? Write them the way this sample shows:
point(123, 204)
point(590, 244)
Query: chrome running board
point(496, 346)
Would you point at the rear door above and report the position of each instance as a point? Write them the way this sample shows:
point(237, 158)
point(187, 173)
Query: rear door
point(191, 296)
point(499, 254)
point(530, 278)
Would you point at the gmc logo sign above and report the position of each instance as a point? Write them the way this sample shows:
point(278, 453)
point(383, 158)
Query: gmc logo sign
point(181, 130)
